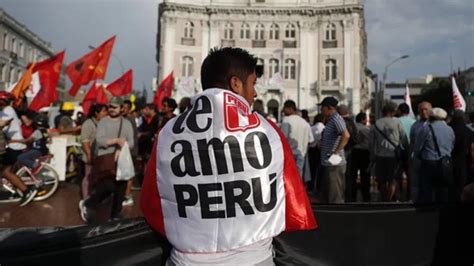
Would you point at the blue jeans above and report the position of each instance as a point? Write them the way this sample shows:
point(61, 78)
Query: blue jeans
point(28, 158)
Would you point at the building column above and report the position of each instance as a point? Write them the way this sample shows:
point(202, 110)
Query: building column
point(349, 67)
point(167, 52)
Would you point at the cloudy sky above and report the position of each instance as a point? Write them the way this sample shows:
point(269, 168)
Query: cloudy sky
point(430, 31)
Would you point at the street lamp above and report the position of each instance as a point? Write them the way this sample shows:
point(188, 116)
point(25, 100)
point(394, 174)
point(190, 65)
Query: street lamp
point(384, 78)
point(114, 56)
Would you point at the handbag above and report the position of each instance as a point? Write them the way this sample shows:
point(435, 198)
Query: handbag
point(445, 163)
point(400, 152)
point(105, 166)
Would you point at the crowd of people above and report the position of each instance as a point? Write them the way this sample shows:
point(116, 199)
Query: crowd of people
point(106, 128)
point(395, 158)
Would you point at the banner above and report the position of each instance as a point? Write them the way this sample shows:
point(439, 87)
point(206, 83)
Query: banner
point(458, 101)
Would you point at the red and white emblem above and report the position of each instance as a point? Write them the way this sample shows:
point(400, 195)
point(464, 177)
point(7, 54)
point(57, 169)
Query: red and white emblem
point(237, 114)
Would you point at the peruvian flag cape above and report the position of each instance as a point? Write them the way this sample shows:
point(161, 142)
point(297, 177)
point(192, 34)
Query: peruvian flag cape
point(221, 178)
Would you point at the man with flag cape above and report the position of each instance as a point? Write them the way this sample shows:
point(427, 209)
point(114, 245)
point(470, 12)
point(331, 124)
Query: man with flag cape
point(222, 181)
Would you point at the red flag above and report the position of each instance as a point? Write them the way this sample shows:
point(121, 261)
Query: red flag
point(95, 94)
point(49, 71)
point(164, 90)
point(122, 86)
point(22, 86)
point(91, 66)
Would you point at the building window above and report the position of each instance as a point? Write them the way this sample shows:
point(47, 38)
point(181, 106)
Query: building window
point(290, 32)
point(2, 72)
point(330, 32)
point(259, 32)
point(28, 54)
point(14, 45)
point(290, 69)
point(5, 41)
point(260, 67)
point(21, 50)
point(12, 78)
point(274, 32)
point(188, 29)
point(187, 66)
point(331, 69)
point(274, 67)
point(228, 31)
point(245, 31)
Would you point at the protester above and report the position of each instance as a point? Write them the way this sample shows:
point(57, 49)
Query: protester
point(64, 122)
point(423, 110)
point(405, 118)
point(305, 115)
point(361, 159)
point(297, 132)
point(112, 133)
point(314, 154)
point(436, 141)
point(127, 114)
point(460, 151)
point(206, 231)
point(147, 130)
point(27, 127)
point(343, 111)
point(11, 130)
point(37, 141)
point(87, 139)
point(259, 107)
point(167, 111)
point(386, 143)
point(335, 137)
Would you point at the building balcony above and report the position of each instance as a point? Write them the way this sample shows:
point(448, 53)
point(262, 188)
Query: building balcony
point(289, 44)
point(330, 44)
point(258, 44)
point(227, 43)
point(331, 84)
point(187, 41)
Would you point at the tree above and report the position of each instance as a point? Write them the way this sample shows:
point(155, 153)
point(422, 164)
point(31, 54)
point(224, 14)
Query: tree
point(440, 94)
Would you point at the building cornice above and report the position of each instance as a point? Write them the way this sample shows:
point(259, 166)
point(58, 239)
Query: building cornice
point(23, 31)
point(309, 11)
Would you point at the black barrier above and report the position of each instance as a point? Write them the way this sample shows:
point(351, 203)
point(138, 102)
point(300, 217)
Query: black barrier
point(348, 235)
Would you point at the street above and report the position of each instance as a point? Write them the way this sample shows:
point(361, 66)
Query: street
point(59, 210)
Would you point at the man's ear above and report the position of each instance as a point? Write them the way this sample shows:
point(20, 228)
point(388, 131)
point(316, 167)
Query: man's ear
point(235, 85)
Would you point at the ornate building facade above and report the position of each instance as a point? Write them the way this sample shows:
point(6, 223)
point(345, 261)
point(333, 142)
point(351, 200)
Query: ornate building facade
point(308, 49)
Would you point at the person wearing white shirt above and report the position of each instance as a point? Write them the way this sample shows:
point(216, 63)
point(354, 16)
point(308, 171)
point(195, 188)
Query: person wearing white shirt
point(297, 132)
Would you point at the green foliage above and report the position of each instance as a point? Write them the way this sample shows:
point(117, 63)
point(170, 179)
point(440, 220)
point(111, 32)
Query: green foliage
point(439, 93)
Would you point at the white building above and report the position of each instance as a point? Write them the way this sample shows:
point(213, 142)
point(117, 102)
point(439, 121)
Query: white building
point(309, 49)
point(19, 47)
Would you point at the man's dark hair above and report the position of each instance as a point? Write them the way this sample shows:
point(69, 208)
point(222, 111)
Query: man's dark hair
point(389, 108)
point(361, 117)
point(171, 103)
point(304, 114)
point(95, 109)
point(404, 108)
point(319, 118)
point(223, 63)
point(152, 106)
point(127, 102)
point(290, 104)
